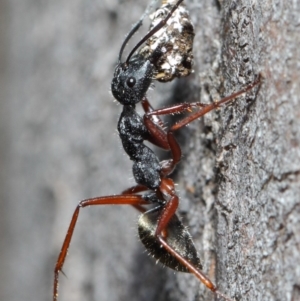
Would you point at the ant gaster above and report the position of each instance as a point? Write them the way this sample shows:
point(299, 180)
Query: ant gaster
point(160, 230)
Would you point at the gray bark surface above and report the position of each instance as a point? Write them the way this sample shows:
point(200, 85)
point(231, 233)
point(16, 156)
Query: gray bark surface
point(239, 180)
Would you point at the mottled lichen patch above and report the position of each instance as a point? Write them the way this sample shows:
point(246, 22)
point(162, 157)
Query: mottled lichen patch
point(174, 40)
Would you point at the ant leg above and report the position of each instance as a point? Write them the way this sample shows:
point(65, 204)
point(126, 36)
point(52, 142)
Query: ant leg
point(105, 200)
point(167, 189)
point(133, 190)
point(167, 140)
point(155, 126)
point(154, 118)
point(159, 137)
point(161, 234)
point(197, 272)
point(204, 108)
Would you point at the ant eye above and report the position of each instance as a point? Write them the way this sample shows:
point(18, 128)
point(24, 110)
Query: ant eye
point(130, 82)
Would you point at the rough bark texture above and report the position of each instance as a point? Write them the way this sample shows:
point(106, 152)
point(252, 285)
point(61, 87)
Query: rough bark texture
point(239, 181)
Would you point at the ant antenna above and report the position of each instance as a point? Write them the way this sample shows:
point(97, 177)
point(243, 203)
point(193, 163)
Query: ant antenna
point(135, 28)
point(128, 37)
point(153, 31)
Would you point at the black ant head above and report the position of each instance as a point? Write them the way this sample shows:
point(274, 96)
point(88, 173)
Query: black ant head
point(132, 80)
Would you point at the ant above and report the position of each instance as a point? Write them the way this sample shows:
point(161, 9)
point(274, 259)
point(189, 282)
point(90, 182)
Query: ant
point(160, 229)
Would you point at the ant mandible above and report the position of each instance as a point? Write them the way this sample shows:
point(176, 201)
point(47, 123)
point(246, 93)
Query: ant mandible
point(160, 230)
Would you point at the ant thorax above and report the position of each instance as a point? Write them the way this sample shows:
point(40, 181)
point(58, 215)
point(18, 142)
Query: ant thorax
point(175, 41)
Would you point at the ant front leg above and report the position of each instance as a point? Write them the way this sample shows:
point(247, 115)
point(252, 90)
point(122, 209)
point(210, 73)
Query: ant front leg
point(204, 108)
point(166, 140)
point(159, 137)
point(126, 199)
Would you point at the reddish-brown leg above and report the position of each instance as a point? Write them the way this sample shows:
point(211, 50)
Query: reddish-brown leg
point(198, 273)
point(135, 200)
point(166, 140)
point(154, 118)
point(159, 137)
point(204, 108)
point(167, 188)
point(155, 126)
point(136, 189)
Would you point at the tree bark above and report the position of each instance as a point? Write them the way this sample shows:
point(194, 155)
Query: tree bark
point(239, 180)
